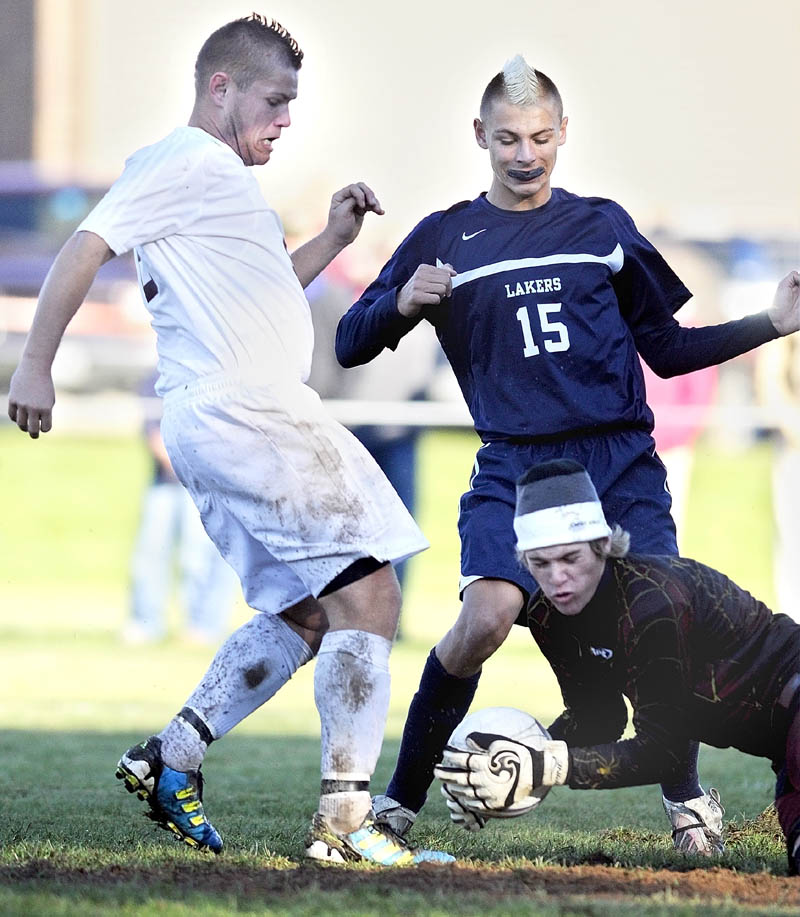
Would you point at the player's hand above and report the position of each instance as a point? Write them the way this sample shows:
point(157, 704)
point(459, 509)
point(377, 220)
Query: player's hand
point(493, 775)
point(785, 310)
point(460, 815)
point(428, 286)
point(497, 772)
point(31, 397)
point(348, 207)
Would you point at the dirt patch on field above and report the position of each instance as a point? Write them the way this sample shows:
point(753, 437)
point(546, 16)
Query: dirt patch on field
point(558, 882)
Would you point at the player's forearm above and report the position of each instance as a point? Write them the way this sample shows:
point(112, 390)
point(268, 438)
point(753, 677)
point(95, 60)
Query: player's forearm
point(369, 326)
point(62, 293)
point(630, 762)
point(312, 258)
point(658, 748)
point(674, 350)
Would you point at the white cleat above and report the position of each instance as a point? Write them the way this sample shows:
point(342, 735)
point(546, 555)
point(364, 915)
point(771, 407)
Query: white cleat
point(370, 843)
point(697, 824)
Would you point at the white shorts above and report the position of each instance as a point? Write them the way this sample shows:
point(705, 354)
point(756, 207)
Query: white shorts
point(287, 494)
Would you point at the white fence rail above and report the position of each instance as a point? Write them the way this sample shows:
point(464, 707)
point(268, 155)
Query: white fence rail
point(121, 413)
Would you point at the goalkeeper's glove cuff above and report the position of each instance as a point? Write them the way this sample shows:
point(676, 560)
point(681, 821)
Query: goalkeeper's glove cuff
point(551, 764)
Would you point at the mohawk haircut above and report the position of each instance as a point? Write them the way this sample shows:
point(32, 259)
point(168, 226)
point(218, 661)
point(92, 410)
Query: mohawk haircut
point(521, 84)
point(521, 81)
point(243, 49)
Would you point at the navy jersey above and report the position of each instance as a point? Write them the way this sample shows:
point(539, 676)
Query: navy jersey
point(548, 309)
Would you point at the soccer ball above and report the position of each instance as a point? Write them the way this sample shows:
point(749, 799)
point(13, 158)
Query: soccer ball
point(511, 724)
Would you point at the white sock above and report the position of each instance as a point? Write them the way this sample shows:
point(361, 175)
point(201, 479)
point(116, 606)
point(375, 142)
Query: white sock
point(253, 663)
point(351, 689)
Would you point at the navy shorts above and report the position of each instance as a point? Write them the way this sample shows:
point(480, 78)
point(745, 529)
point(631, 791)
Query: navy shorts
point(630, 479)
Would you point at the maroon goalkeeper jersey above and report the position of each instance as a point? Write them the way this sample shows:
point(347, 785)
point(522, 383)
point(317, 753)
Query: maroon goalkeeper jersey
point(697, 657)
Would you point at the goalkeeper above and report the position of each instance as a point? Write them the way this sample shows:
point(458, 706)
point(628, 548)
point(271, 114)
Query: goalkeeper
point(697, 657)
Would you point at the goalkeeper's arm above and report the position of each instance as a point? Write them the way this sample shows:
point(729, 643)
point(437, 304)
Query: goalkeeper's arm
point(496, 772)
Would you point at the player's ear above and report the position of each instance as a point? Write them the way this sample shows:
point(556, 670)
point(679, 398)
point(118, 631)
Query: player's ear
point(480, 134)
point(562, 133)
point(218, 86)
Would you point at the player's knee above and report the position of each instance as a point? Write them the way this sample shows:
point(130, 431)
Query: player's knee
point(370, 603)
point(487, 636)
point(477, 635)
point(309, 620)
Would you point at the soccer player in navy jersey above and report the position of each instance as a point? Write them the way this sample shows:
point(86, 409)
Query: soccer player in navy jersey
point(542, 302)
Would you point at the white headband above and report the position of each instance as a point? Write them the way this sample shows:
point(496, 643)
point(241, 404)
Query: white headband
point(554, 525)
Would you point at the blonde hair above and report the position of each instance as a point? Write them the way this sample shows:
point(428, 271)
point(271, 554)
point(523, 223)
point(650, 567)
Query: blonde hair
point(521, 84)
point(521, 81)
point(616, 545)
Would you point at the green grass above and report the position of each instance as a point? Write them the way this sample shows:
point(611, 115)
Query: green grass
point(72, 697)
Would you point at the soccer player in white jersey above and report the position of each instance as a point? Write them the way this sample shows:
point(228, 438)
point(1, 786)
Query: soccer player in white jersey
point(290, 498)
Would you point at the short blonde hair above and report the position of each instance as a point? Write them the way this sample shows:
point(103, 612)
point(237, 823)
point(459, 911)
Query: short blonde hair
point(616, 545)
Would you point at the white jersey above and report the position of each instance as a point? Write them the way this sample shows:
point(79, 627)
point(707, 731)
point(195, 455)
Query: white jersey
point(290, 498)
point(212, 263)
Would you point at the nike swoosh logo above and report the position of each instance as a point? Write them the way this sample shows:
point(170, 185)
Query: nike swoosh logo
point(472, 235)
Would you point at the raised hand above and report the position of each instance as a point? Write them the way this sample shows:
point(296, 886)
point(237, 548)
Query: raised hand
point(348, 207)
point(785, 309)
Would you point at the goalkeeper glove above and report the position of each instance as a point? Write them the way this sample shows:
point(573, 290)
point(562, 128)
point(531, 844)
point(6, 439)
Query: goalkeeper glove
point(496, 772)
point(460, 815)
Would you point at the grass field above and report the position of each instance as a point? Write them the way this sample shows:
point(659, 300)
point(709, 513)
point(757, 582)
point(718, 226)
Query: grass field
point(72, 697)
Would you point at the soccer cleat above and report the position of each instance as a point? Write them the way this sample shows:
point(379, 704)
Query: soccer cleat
point(175, 798)
point(371, 843)
point(390, 814)
point(697, 824)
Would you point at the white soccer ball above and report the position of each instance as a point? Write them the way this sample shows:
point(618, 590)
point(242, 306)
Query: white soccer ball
point(509, 723)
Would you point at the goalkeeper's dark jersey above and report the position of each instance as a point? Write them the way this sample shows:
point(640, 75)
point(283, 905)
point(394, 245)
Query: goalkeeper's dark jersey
point(696, 656)
point(548, 311)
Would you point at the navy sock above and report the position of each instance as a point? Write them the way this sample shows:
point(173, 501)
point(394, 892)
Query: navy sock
point(688, 786)
point(441, 702)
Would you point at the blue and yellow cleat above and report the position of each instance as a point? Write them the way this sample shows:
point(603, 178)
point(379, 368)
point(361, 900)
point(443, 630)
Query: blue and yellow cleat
point(370, 843)
point(175, 798)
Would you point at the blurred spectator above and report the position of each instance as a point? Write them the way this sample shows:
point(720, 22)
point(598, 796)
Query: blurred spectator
point(681, 405)
point(778, 387)
point(172, 536)
point(751, 276)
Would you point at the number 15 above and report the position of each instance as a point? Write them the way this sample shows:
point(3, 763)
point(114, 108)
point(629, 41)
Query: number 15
point(559, 328)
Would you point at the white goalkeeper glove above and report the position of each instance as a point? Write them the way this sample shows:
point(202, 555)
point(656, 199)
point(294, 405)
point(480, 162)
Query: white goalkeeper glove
point(497, 772)
point(460, 815)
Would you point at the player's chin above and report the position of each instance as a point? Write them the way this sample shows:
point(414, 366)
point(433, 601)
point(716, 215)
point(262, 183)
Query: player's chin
point(567, 605)
point(260, 156)
point(527, 185)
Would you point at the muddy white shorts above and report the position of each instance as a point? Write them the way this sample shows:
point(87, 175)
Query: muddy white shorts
point(287, 494)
